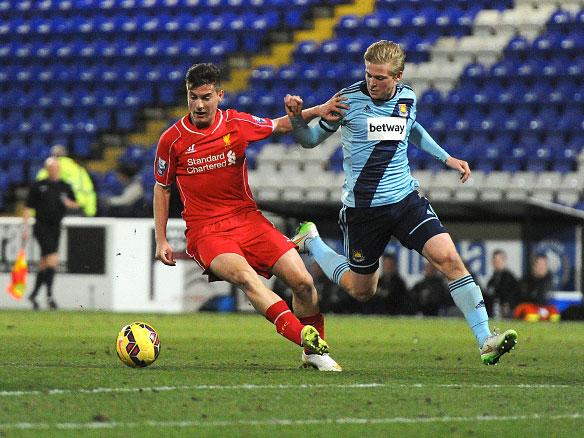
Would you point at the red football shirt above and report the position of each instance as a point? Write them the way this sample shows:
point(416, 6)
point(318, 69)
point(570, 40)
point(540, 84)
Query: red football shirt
point(209, 165)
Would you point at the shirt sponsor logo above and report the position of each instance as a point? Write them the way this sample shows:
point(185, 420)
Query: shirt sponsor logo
point(161, 166)
point(386, 128)
point(211, 162)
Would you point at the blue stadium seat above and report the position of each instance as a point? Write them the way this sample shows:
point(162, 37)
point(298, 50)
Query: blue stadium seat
point(564, 159)
point(431, 96)
point(336, 160)
point(560, 20)
point(538, 158)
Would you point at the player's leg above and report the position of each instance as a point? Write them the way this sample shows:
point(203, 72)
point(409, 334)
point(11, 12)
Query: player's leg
point(365, 237)
point(336, 267)
point(467, 296)
point(234, 268)
point(420, 228)
point(291, 270)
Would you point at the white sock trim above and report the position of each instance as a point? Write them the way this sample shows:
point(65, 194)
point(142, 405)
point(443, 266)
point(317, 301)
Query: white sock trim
point(278, 317)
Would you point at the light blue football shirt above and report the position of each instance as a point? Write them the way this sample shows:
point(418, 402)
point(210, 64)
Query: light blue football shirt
point(374, 137)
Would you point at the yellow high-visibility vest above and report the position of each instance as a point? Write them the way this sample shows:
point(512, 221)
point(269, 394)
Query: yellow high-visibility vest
point(78, 178)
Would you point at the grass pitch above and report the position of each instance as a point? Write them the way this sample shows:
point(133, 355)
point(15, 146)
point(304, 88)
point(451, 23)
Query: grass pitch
point(232, 375)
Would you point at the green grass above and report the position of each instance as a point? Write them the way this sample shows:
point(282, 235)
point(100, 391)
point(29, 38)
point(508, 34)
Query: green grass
point(425, 379)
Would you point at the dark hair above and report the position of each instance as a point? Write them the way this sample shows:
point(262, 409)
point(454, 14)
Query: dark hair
point(499, 251)
point(203, 74)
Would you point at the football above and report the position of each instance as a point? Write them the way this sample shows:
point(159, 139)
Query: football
point(138, 344)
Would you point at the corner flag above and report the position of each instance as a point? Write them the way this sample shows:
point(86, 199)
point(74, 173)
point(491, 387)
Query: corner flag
point(17, 286)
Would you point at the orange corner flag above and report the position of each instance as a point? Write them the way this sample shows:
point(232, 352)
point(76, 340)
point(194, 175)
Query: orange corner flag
point(17, 286)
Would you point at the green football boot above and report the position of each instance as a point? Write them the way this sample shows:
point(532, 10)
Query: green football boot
point(497, 345)
point(312, 341)
point(304, 232)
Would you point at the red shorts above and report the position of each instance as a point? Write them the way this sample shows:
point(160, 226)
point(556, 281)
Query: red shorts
point(248, 234)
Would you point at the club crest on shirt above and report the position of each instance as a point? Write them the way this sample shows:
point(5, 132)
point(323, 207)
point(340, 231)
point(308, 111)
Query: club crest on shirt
point(161, 166)
point(403, 109)
point(227, 140)
point(358, 255)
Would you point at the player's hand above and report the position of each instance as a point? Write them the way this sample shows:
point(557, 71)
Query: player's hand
point(333, 109)
point(460, 165)
point(293, 105)
point(165, 254)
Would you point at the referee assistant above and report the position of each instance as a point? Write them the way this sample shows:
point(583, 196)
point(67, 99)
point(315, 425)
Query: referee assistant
point(50, 198)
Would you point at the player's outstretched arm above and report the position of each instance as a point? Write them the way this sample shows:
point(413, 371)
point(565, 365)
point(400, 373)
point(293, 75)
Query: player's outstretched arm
point(161, 204)
point(421, 139)
point(310, 136)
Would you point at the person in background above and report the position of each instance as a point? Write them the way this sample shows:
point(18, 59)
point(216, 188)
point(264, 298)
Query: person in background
point(503, 288)
point(535, 287)
point(392, 293)
point(431, 294)
point(77, 177)
point(538, 282)
point(124, 204)
point(50, 198)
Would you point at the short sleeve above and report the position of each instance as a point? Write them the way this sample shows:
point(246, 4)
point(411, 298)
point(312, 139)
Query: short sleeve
point(252, 128)
point(164, 162)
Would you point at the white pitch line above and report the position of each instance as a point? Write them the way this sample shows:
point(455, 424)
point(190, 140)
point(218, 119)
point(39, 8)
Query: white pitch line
point(287, 422)
point(57, 391)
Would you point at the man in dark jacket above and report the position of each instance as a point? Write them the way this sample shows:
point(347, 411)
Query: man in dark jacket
point(431, 294)
point(392, 293)
point(503, 289)
point(50, 198)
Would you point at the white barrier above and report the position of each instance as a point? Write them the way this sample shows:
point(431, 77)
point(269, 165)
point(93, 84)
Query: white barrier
point(108, 264)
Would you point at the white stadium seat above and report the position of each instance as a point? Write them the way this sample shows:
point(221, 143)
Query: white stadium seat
point(520, 185)
point(471, 188)
point(494, 185)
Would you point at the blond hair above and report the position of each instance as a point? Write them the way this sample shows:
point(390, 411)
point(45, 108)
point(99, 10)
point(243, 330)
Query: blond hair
point(386, 52)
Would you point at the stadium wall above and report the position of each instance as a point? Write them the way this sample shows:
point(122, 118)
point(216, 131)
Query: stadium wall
point(108, 264)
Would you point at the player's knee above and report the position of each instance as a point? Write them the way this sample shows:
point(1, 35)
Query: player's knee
point(450, 262)
point(363, 294)
point(246, 280)
point(302, 285)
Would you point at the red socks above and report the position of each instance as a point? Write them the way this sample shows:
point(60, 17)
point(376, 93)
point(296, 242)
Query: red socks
point(285, 321)
point(288, 325)
point(317, 321)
